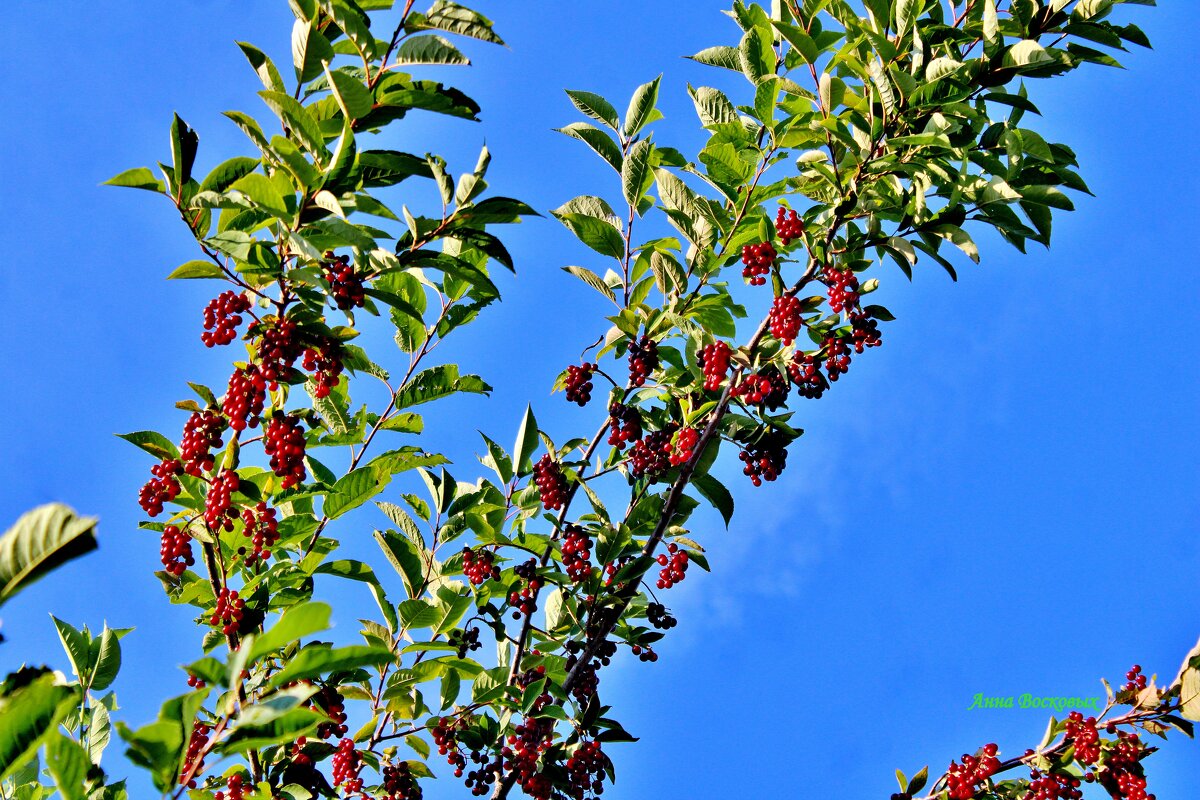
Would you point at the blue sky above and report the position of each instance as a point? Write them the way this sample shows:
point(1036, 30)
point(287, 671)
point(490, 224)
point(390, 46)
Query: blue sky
point(1001, 499)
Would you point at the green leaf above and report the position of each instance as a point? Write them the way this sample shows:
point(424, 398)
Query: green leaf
point(721, 56)
point(152, 442)
point(137, 178)
point(800, 41)
point(42, 540)
point(107, 662)
point(352, 96)
point(286, 728)
point(593, 280)
point(642, 107)
point(596, 139)
point(99, 732)
point(354, 489)
point(1027, 52)
point(184, 143)
point(436, 383)
point(595, 107)
point(404, 557)
point(596, 233)
point(310, 49)
point(527, 442)
point(635, 173)
point(756, 56)
point(313, 662)
point(429, 50)
point(296, 622)
point(266, 711)
point(715, 492)
point(261, 191)
point(196, 269)
point(68, 765)
point(263, 66)
point(75, 643)
point(27, 715)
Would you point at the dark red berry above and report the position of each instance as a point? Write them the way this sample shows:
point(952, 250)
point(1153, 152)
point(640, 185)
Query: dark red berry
point(221, 318)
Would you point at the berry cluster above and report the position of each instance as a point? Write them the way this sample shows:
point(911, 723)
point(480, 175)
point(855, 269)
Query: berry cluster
point(843, 288)
point(767, 388)
point(682, 446)
point(176, 550)
point(1123, 776)
point(235, 786)
point(766, 459)
point(197, 742)
point(243, 403)
point(624, 425)
point(346, 764)
point(195, 682)
point(758, 260)
point(714, 361)
point(523, 748)
point(674, 565)
point(345, 285)
point(644, 652)
point(785, 320)
point(650, 457)
point(229, 611)
point(1054, 786)
point(218, 500)
point(445, 738)
point(399, 783)
point(162, 488)
point(659, 617)
point(579, 383)
point(1136, 681)
point(278, 349)
point(283, 441)
point(330, 702)
point(324, 362)
point(788, 225)
point(262, 529)
point(837, 357)
point(464, 641)
point(643, 360)
point(1082, 732)
point(201, 435)
point(551, 483)
point(577, 553)
point(585, 770)
point(221, 318)
point(805, 371)
point(524, 599)
point(479, 566)
point(864, 332)
point(963, 779)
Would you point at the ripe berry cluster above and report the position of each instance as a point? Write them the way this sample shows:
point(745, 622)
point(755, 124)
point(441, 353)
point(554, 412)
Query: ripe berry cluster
point(843, 288)
point(283, 441)
point(1053, 786)
point(864, 331)
point(201, 435)
point(805, 371)
point(682, 446)
point(674, 565)
point(176, 550)
point(324, 362)
point(785, 320)
point(244, 399)
point(579, 383)
point(1135, 680)
point(1085, 737)
point(522, 751)
point(644, 652)
point(551, 483)
point(346, 764)
point(659, 617)
point(1123, 776)
point(196, 744)
point(227, 615)
point(650, 457)
point(577, 553)
point(758, 260)
point(714, 361)
point(235, 786)
point(964, 778)
point(345, 285)
point(479, 566)
point(524, 598)
point(464, 641)
point(767, 388)
point(585, 770)
point(624, 425)
point(445, 736)
point(788, 226)
point(262, 529)
point(766, 459)
point(278, 348)
point(221, 318)
point(399, 783)
point(837, 357)
point(217, 502)
point(162, 487)
point(643, 360)
point(330, 702)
